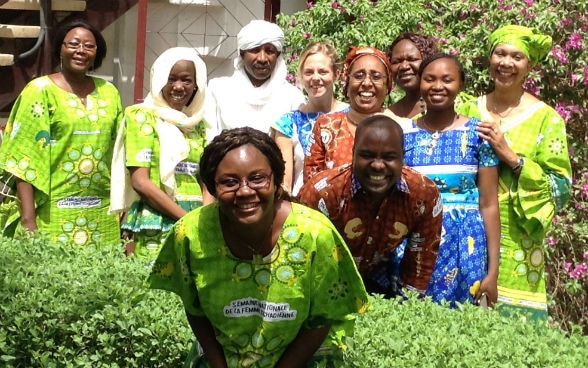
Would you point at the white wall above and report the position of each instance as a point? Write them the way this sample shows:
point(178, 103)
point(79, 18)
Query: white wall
point(210, 26)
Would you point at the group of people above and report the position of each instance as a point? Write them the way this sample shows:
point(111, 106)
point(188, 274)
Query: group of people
point(273, 213)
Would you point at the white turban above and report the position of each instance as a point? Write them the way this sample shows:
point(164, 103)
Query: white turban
point(259, 32)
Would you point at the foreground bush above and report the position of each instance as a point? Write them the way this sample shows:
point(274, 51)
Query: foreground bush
point(84, 307)
point(64, 306)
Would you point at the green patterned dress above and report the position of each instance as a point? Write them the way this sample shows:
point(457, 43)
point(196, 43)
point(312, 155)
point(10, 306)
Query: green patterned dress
point(64, 150)
point(142, 148)
point(529, 202)
point(257, 307)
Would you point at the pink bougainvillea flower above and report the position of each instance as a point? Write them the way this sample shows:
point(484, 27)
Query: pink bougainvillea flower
point(306, 35)
point(586, 75)
point(335, 4)
point(565, 22)
point(575, 42)
point(529, 3)
point(559, 54)
point(309, 4)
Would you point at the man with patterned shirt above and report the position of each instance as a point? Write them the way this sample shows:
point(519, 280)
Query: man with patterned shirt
point(377, 203)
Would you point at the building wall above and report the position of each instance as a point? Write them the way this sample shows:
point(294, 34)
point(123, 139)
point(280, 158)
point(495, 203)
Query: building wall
point(210, 26)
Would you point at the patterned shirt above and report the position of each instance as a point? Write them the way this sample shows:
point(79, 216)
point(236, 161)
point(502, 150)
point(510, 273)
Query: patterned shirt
point(412, 211)
point(330, 144)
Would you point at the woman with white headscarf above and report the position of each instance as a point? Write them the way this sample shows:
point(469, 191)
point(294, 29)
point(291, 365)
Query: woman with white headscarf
point(159, 145)
point(257, 94)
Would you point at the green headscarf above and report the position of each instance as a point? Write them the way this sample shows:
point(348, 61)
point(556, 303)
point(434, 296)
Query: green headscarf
point(530, 41)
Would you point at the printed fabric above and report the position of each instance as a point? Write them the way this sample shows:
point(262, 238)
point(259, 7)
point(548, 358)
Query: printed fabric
point(297, 125)
point(529, 202)
point(330, 145)
point(258, 307)
point(411, 212)
point(453, 164)
point(143, 149)
point(64, 150)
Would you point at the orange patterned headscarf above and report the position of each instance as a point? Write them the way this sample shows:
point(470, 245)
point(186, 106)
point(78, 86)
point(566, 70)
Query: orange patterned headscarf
point(355, 53)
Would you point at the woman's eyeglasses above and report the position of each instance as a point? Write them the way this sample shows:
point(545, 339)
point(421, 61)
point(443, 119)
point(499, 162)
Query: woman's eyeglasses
point(255, 182)
point(375, 77)
point(75, 45)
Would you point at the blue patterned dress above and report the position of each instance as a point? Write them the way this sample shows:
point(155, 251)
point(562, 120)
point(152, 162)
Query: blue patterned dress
point(452, 162)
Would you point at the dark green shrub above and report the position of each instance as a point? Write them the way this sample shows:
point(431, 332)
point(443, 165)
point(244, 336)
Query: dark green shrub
point(65, 306)
point(84, 307)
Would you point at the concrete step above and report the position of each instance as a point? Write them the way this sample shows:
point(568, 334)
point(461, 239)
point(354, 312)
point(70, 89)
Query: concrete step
point(56, 5)
point(18, 31)
point(6, 59)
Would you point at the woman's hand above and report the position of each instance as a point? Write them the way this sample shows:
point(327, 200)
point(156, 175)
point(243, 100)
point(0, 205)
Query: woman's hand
point(489, 287)
point(491, 132)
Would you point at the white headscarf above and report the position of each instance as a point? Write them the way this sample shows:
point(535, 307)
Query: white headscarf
point(257, 33)
point(169, 127)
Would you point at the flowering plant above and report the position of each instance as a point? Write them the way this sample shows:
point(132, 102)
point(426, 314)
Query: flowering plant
point(462, 27)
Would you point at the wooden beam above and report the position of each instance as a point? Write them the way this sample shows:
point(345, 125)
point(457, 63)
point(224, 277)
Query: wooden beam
point(16, 31)
point(56, 5)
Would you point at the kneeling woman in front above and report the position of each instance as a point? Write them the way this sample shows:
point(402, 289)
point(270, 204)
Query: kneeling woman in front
point(265, 282)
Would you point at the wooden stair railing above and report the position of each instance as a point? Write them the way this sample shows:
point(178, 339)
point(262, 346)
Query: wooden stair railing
point(13, 31)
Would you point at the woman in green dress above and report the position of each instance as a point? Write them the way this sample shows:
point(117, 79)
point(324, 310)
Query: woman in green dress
point(58, 143)
point(265, 282)
point(530, 139)
point(160, 143)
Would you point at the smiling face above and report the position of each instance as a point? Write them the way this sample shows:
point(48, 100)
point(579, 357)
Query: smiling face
point(441, 81)
point(406, 59)
point(378, 158)
point(318, 75)
point(259, 62)
point(245, 205)
point(180, 85)
point(78, 59)
point(367, 88)
point(509, 66)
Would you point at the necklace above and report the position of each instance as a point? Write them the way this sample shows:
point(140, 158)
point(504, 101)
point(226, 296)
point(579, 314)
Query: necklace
point(505, 112)
point(256, 252)
point(435, 133)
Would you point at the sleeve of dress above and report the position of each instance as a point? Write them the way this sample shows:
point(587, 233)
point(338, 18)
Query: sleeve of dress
point(422, 245)
point(544, 184)
point(285, 125)
point(26, 146)
point(139, 138)
point(171, 270)
point(337, 289)
point(314, 157)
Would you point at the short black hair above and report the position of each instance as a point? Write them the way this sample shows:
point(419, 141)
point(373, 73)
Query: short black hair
point(426, 45)
point(380, 120)
point(230, 139)
point(441, 55)
point(63, 30)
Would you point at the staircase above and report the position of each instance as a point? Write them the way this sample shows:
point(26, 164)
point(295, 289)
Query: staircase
point(26, 28)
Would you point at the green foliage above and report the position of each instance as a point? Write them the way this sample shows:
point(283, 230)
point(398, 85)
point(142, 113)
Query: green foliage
point(462, 28)
point(66, 306)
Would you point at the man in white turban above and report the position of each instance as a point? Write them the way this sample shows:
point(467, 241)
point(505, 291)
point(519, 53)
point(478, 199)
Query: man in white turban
point(257, 93)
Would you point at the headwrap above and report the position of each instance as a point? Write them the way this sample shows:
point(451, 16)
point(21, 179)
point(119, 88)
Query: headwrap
point(530, 41)
point(355, 53)
point(169, 126)
point(255, 34)
point(259, 32)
